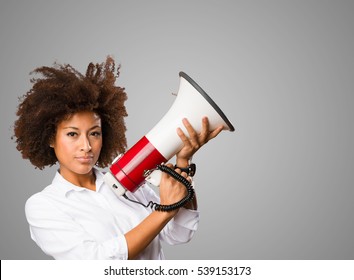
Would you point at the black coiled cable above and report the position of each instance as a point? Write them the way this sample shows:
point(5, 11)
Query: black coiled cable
point(174, 206)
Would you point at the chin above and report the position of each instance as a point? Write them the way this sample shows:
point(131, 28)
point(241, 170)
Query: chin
point(83, 170)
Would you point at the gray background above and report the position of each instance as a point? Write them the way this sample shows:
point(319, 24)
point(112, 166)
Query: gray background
point(281, 185)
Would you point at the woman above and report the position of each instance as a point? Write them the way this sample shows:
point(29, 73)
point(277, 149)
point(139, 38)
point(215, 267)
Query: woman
point(77, 121)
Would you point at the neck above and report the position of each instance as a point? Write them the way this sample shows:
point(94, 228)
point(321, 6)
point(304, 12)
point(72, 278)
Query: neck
point(87, 181)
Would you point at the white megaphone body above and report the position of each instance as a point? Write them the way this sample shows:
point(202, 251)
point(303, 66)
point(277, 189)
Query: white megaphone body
point(161, 143)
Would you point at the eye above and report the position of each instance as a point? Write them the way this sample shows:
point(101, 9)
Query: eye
point(71, 134)
point(96, 133)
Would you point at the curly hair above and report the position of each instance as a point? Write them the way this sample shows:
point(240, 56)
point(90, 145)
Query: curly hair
point(61, 92)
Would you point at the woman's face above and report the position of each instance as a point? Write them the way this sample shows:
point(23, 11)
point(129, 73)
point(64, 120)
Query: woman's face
point(77, 144)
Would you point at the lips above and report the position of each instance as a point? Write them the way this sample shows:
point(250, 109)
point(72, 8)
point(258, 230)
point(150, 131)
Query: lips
point(84, 159)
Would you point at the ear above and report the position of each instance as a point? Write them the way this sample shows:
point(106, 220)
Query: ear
point(51, 143)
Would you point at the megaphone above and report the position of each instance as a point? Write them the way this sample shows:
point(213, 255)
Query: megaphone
point(128, 171)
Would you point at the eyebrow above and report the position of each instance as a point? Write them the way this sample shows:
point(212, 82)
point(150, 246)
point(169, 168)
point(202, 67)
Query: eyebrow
point(75, 128)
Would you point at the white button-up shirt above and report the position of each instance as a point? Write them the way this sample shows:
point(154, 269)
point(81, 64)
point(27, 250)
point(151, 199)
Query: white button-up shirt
point(71, 222)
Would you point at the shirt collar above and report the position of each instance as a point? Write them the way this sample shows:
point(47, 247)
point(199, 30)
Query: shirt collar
point(64, 186)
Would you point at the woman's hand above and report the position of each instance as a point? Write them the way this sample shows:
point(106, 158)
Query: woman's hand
point(171, 190)
point(195, 141)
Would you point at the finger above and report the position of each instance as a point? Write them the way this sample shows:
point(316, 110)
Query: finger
point(204, 134)
point(189, 127)
point(189, 178)
point(193, 135)
point(215, 132)
point(185, 175)
point(177, 170)
point(165, 174)
point(183, 137)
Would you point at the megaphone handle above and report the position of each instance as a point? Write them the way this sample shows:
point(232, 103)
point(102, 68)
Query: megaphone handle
point(174, 206)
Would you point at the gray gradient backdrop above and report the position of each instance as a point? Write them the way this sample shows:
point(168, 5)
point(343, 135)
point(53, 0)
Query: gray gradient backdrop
point(281, 185)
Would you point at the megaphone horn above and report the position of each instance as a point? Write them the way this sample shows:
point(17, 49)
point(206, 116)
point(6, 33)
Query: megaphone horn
point(161, 143)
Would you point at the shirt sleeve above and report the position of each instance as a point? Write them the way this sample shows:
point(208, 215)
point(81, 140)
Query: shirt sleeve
point(181, 228)
point(57, 234)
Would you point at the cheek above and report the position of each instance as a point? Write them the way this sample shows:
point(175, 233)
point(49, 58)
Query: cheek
point(63, 148)
point(97, 146)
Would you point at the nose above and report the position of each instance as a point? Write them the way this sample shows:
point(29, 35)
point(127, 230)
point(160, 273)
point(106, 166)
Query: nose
point(85, 144)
